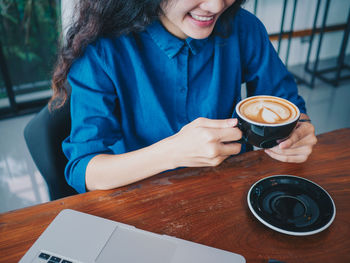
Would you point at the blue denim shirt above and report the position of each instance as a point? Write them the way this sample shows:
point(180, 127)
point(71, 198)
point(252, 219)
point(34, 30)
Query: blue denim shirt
point(131, 91)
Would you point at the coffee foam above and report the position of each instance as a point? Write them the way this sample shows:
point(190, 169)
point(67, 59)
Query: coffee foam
point(268, 110)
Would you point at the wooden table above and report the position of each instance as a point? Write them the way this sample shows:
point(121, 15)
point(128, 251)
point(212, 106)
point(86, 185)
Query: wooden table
point(208, 206)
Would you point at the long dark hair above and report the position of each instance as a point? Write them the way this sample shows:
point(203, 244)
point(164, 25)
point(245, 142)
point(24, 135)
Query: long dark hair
point(106, 18)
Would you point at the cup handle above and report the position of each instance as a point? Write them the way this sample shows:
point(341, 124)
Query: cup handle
point(243, 140)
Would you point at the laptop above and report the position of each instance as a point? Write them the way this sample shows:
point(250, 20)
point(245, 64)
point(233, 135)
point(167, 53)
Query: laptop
point(75, 237)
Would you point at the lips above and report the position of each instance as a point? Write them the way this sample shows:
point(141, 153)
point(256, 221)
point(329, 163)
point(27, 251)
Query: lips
point(202, 21)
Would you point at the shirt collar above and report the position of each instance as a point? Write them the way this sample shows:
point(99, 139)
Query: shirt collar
point(170, 44)
point(196, 44)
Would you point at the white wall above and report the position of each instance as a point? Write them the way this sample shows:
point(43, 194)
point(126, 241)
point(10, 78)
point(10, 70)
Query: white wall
point(270, 13)
point(67, 8)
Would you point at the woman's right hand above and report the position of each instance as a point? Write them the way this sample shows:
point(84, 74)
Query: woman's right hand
point(205, 142)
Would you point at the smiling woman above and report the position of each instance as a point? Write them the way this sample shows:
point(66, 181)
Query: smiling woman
point(114, 18)
point(154, 85)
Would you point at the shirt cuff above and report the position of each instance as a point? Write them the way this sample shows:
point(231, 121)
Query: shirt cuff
point(76, 176)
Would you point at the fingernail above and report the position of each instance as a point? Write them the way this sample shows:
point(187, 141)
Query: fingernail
point(232, 122)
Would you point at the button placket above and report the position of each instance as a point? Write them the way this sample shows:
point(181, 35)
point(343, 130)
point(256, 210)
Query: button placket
point(182, 85)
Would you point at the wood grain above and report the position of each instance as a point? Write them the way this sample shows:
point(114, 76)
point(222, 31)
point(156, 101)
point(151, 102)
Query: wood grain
point(208, 206)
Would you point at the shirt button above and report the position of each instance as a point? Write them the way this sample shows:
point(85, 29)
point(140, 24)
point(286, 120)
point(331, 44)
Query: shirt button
point(183, 90)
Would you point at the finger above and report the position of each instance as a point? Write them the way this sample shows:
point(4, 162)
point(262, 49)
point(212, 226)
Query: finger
point(218, 150)
point(287, 158)
point(309, 141)
point(227, 149)
point(205, 162)
point(215, 135)
point(294, 138)
point(302, 131)
point(302, 150)
point(229, 134)
point(210, 123)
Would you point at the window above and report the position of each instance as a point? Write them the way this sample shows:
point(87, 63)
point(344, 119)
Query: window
point(29, 35)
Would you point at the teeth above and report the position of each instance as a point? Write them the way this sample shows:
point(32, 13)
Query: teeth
point(202, 18)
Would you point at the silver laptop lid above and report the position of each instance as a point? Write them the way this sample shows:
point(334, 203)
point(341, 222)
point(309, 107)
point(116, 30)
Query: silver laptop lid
point(78, 237)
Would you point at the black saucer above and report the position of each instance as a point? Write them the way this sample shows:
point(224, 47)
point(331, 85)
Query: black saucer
point(291, 205)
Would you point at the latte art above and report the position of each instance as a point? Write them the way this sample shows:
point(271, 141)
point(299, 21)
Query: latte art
point(268, 110)
point(265, 120)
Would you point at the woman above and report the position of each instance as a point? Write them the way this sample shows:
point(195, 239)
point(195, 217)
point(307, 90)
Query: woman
point(154, 84)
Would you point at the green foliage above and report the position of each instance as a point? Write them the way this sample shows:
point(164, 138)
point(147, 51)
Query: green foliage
point(29, 34)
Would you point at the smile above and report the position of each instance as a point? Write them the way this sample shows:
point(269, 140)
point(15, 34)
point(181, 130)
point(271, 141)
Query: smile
point(202, 18)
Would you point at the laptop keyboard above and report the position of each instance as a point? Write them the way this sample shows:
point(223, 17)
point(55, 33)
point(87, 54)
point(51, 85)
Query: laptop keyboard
point(47, 258)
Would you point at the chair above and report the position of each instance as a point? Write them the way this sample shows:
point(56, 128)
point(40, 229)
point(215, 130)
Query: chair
point(44, 135)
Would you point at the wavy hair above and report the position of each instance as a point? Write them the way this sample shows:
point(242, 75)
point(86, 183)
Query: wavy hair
point(107, 18)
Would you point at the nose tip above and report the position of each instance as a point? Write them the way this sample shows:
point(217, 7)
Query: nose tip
point(213, 6)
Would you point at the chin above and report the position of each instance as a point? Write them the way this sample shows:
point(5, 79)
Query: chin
point(200, 35)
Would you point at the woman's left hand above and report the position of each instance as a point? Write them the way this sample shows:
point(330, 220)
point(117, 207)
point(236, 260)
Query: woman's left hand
point(298, 147)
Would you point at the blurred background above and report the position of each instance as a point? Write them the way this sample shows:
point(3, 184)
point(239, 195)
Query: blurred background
point(311, 37)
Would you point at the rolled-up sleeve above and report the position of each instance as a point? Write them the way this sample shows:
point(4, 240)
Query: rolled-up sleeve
point(263, 71)
point(94, 112)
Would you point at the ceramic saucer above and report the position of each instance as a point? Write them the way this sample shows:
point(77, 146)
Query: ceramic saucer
point(291, 205)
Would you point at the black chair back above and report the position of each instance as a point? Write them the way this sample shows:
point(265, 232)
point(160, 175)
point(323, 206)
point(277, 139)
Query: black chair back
point(44, 135)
